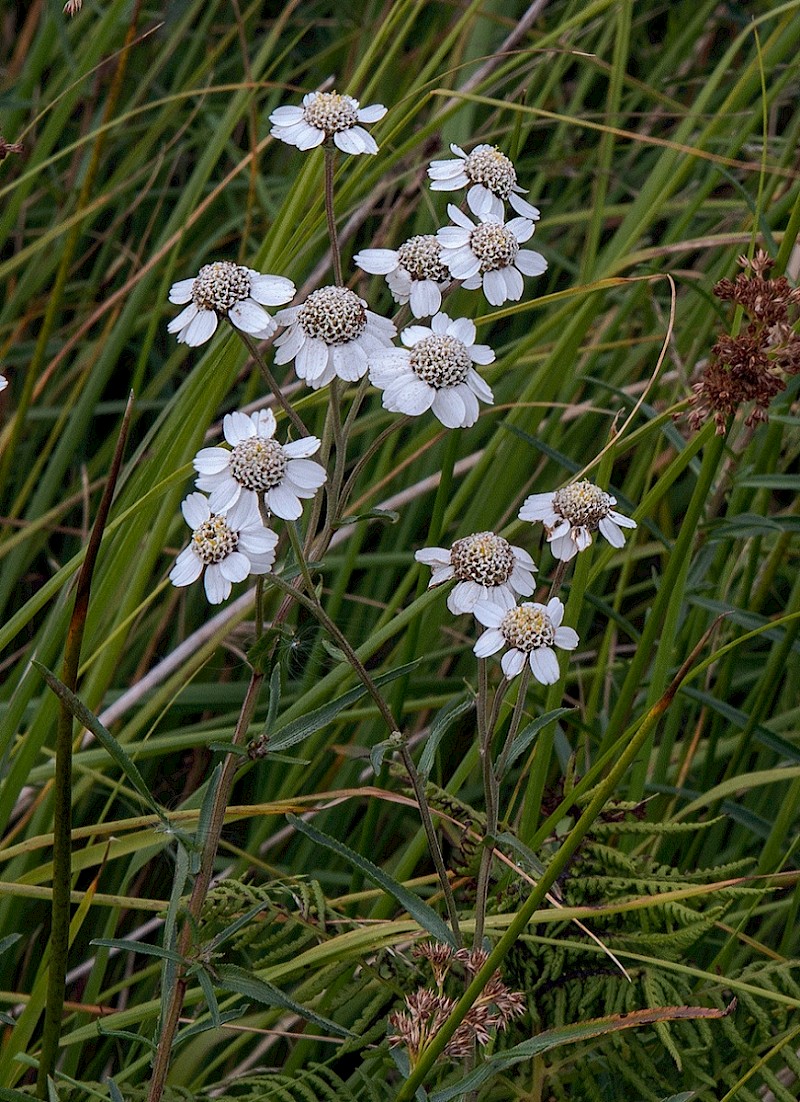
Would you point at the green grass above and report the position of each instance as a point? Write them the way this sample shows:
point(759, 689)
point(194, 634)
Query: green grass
point(660, 143)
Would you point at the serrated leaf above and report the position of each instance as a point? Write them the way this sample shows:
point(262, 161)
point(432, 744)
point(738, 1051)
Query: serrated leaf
point(427, 918)
point(142, 947)
point(203, 1026)
point(529, 733)
point(568, 1035)
point(104, 737)
point(442, 722)
point(240, 982)
point(125, 1035)
point(204, 980)
point(228, 748)
point(274, 700)
point(385, 516)
point(301, 728)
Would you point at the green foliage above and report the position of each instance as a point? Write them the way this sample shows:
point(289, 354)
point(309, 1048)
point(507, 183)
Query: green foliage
point(660, 143)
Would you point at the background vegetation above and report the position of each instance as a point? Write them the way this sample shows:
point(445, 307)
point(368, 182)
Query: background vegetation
point(660, 141)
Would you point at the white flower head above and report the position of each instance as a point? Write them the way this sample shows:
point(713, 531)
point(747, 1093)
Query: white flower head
point(414, 272)
point(488, 254)
point(529, 631)
point(487, 568)
point(258, 466)
point(225, 289)
point(492, 176)
point(327, 115)
point(332, 333)
point(434, 372)
point(229, 548)
point(571, 514)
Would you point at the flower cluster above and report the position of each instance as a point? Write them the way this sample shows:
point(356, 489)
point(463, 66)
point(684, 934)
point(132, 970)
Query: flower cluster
point(426, 1010)
point(257, 475)
point(224, 289)
point(750, 367)
point(490, 574)
point(327, 117)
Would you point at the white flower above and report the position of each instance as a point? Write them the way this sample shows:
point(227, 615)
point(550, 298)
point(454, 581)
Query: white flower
point(488, 568)
point(414, 272)
point(571, 514)
point(3, 382)
point(492, 176)
point(489, 254)
point(259, 465)
point(332, 333)
point(529, 631)
point(327, 115)
point(224, 289)
point(229, 547)
point(434, 372)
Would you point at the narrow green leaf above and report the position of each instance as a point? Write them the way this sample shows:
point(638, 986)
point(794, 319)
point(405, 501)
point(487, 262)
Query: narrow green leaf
point(442, 722)
point(231, 978)
point(204, 818)
point(205, 1024)
point(237, 924)
point(566, 1035)
point(142, 947)
point(93, 724)
point(204, 980)
point(115, 1092)
point(307, 725)
point(529, 733)
point(274, 701)
point(419, 911)
point(125, 1035)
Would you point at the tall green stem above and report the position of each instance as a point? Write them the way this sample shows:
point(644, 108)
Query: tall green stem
point(62, 783)
point(169, 1026)
point(315, 608)
point(272, 383)
point(336, 256)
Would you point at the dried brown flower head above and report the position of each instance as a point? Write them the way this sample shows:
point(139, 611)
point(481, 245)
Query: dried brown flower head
point(426, 1011)
point(749, 368)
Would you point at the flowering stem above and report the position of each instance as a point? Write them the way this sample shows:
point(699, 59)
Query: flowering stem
point(490, 799)
point(313, 605)
point(374, 447)
point(272, 383)
point(516, 719)
point(200, 888)
point(558, 578)
point(62, 785)
point(330, 161)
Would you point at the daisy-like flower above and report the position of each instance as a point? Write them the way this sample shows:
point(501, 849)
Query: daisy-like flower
point(434, 372)
point(327, 115)
point(530, 631)
point(487, 568)
point(332, 333)
point(488, 254)
point(229, 548)
point(571, 514)
point(414, 272)
point(492, 176)
point(257, 466)
point(224, 289)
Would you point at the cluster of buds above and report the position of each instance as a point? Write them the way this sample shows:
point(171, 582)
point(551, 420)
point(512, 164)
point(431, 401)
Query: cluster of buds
point(427, 1010)
point(750, 367)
